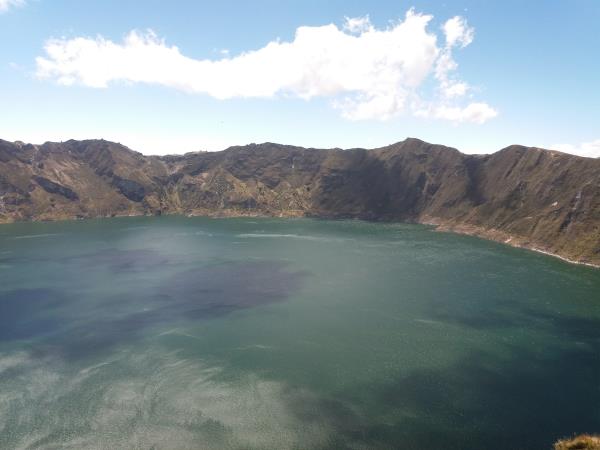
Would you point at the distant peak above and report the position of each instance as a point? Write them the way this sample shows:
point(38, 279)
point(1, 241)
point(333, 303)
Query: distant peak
point(416, 140)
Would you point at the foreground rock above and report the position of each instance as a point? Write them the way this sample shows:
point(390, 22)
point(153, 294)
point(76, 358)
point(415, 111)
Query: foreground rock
point(583, 442)
point(539, 199)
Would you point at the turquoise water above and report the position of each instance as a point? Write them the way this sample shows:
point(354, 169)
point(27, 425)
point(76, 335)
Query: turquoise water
point(176, 333)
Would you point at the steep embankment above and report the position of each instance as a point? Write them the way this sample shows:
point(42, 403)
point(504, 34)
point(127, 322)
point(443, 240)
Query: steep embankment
point(540, 199)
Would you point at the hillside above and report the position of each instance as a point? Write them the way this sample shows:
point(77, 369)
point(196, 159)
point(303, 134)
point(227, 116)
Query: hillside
point(540, 199)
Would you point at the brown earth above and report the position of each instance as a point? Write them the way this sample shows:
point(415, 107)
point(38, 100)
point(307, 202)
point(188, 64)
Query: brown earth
point(583, 442)
point(539, 199)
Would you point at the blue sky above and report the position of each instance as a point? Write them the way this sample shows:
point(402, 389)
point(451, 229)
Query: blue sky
point(475, 75)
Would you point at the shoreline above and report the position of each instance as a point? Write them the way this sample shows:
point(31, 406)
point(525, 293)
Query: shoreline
point(493, 235)
point(503, 238)
point(571, 261)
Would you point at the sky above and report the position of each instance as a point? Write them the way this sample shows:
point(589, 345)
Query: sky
point(179, 76)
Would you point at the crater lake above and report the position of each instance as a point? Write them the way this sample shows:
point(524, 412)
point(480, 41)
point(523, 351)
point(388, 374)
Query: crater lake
point(253, 333)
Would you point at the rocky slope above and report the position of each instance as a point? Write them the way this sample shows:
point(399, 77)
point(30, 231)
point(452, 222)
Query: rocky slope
point(540, 199)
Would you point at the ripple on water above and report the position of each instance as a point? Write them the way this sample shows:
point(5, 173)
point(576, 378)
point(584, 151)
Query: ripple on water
point(156, 399)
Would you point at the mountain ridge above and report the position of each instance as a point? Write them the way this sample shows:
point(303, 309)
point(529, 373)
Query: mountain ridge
point(540, 199)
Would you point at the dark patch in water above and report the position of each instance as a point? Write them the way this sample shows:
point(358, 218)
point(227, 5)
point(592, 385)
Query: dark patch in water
point(217, 290)
point(201, 293)
point(571, 327)
point(495, 314)
point(477, 403)
point(24, 312)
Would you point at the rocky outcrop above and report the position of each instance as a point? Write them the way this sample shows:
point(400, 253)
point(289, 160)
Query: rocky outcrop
point(54, 188)
point(583, 442)
point(539, 199)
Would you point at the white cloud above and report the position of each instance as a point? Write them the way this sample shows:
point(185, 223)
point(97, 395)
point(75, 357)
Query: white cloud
point(455, 89)
point(458, 34)
point(5, 5)
point(457, 31)
point(367, 73)
point(590, 149)
point(358, 24)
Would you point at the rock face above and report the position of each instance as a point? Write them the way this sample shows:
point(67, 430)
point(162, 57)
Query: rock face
point(583, 442)
point(523, 196)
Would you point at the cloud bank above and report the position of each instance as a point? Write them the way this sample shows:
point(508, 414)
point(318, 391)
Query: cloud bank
point(590, 149)
point(367, 73)
point(5, 5)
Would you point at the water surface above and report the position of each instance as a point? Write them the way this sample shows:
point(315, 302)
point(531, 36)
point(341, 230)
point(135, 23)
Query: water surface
point(176, 333)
